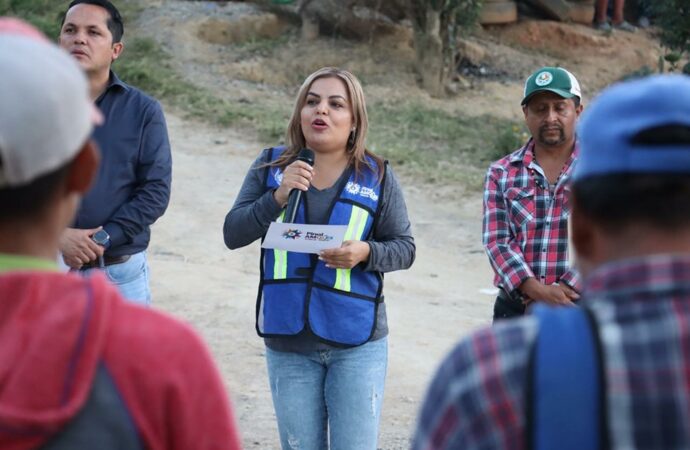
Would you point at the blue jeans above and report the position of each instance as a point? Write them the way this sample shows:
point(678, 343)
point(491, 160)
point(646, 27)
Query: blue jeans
point(131, 278)
point(338, 391)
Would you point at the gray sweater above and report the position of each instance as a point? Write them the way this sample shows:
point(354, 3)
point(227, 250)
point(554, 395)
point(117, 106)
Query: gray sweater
point(392, 245)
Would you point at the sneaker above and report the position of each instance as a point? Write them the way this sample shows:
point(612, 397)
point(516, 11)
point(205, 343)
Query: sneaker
point(602, 26)
point(625, 26)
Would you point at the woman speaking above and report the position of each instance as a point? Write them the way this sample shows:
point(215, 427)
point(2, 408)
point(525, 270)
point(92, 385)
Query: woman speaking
point(323, 317)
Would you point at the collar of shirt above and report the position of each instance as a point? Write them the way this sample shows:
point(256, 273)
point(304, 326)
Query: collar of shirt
point(114, 82)
point(655, 274)
point(526, 157)
point(10, 262)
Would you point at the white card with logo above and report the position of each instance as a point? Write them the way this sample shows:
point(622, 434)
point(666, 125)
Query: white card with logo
point(303, 238)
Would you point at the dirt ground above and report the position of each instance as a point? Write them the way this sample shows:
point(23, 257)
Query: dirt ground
point(448, 291)
point(196, 278)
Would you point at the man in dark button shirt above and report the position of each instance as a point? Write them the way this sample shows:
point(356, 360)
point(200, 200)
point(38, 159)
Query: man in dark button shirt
point(112, 228)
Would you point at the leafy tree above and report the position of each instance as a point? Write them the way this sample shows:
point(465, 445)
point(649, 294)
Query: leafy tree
point(673, 19)
point(436, 25)
point(44, 14)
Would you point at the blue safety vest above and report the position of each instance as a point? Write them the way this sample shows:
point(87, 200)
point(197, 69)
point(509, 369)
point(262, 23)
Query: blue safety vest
point(298, 292)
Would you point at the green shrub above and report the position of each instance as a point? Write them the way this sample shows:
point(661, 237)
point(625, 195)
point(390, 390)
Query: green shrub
point(672, 18)
point(439, 146)
point(44, 14)
point(507, 140)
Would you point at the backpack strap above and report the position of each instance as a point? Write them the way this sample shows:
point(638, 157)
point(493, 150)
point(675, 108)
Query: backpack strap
point(567, 382)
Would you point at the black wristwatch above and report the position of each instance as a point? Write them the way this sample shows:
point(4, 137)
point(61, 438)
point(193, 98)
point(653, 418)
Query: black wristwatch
point(101, 237)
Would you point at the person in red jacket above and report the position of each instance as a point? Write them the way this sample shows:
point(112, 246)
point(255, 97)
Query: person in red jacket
point(79, 366)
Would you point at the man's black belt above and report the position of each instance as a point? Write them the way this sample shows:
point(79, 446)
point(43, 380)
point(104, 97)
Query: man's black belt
point(107, 261)
point(514, 301)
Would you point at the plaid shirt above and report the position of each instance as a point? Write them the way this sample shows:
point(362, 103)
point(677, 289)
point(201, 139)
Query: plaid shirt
point(642, 308)
point(526, 221)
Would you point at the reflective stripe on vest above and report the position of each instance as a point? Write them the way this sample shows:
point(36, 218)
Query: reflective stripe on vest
point(280, 258)
point(355, 229)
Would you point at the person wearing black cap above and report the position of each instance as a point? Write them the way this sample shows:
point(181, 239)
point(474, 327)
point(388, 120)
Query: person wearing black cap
point(631, 234)
point(525, 230)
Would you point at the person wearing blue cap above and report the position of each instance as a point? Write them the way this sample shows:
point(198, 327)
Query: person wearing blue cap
point(525, 229)
point(631, 233)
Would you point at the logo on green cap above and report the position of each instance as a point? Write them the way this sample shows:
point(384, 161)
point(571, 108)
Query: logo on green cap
point(543, 79)
point(553, 79)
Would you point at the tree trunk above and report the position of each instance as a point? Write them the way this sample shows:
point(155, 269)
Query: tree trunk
point(429, 51)
point(310, 25)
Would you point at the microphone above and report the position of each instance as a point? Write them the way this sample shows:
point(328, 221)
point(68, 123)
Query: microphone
point(295, 195)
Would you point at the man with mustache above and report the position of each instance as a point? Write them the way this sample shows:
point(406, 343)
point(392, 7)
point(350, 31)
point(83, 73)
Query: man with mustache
point(613, 372)
point(112, 228)
point(525, 230)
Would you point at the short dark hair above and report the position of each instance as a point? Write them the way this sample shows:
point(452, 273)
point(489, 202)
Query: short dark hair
point(615, 201)
point(115, 24)
point(29, 201)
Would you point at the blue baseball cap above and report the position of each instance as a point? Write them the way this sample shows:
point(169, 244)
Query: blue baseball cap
point(608, 129)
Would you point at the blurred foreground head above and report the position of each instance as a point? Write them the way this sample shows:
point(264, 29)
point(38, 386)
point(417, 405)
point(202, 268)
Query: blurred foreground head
point(631, 187)
point(46, 119)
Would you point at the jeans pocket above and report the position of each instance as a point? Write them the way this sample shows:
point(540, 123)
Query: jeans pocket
point(127, 271)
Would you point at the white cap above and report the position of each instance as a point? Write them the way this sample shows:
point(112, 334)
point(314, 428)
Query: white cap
point(46, 114)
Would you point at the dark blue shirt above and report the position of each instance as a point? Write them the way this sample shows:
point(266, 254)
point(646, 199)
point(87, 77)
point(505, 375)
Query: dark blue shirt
point(132, 188)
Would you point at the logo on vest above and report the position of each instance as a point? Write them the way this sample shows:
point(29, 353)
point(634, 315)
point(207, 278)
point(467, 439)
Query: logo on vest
point(291, 234)
point(278, 176)
point(356, 189)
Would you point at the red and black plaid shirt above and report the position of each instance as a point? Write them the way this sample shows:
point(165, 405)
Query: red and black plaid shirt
point(526, 221)
point(641, 306)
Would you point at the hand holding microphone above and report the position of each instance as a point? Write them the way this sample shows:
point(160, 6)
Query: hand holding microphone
point(296, 179)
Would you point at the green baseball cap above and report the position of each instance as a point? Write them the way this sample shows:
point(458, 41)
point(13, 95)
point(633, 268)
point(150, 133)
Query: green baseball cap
point(552, 79)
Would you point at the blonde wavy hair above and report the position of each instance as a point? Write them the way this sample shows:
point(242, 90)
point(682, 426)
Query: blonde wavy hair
point(356, 148)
